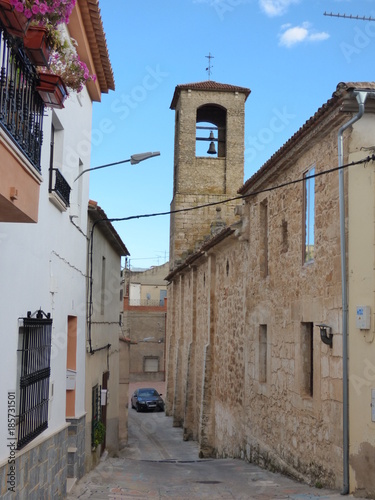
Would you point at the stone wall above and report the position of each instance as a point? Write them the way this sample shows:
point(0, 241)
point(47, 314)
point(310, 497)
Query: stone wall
point(40, 470)
point(238, 321)
point(76, 447)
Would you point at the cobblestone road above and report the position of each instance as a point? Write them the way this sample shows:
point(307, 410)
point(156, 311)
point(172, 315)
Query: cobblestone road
point(158, 464)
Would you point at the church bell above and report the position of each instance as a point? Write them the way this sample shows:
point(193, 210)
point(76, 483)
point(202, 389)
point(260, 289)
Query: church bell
point(212, 149)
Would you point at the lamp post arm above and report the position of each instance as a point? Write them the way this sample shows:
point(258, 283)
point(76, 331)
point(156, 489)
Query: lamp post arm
point(134, 159)
point(101, 166)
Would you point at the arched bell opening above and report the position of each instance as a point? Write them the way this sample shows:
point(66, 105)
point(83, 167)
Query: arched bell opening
point(211, 131)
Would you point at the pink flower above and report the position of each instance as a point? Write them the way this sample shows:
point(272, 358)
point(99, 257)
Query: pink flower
point(19, 7)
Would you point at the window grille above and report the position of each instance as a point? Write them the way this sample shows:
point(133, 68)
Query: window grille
point(96, 411)
point(34, 373)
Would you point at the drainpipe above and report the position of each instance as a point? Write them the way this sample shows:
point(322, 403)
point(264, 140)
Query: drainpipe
point(361, 98)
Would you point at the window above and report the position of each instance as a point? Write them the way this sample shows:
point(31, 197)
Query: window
point(284, 236)
point(307, 354)
point(263, 240)
point(34, 368)
point(309, 215)
point(163, 296)
point(151, 364)
point(103, 293)
point(211, 131)
point(58, 186)
point(263, 353)
point(71, 364)
point(96, 414)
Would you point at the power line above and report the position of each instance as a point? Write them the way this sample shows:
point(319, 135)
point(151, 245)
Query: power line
point(241, 197)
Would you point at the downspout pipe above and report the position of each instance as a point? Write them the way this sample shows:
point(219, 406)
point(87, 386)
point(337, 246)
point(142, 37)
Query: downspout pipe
point(361, 98)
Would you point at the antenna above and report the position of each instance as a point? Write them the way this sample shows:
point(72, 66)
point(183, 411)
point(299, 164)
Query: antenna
point(350, 16)
point(208, 69)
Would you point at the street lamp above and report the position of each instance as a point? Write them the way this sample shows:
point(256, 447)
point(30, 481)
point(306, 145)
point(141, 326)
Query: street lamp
point(134, 159)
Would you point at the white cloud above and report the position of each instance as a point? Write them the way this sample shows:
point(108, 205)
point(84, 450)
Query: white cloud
point(318, 37)
point(298, 34)
point(276, 7)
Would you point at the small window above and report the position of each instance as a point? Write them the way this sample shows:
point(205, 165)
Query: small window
point(263, 240)
point(103, 285)
point(307, 355)
point(96, 412)
point(284, 236)
point(59, 188)
point(151, 364)
point(309, 215)
point(263, 353)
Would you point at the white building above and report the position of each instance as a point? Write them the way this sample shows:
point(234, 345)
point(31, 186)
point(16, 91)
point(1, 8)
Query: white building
point(43, 267)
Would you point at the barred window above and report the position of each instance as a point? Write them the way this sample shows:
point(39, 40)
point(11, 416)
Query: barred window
point(34, 368)
point(96, 412)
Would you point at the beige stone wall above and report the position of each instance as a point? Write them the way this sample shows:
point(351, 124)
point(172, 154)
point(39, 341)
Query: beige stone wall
point(216, 388)
point(361, 286)
point(124, 363)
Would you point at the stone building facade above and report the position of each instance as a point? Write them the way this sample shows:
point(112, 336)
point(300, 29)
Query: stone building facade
point(251, 372)
point(221, 107)
point(144, 321)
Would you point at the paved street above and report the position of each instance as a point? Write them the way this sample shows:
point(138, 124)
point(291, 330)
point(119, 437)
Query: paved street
point(158, 464)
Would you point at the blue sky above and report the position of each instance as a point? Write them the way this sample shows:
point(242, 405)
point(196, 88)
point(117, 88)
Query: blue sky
point(287, 52)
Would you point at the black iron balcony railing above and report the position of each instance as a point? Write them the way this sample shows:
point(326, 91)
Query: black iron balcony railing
point(21, 107)
point(58, 185)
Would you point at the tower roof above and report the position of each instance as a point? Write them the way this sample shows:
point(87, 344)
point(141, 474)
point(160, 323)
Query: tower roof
point(208, 86)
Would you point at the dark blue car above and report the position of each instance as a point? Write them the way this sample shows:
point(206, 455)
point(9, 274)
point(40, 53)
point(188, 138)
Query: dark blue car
point(147, 399)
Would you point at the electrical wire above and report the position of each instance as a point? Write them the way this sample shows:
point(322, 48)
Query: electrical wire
point(241, 197)
point(197, 207)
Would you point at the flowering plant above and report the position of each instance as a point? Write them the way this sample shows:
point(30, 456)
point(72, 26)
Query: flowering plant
point(42, 11)
point(67, 64)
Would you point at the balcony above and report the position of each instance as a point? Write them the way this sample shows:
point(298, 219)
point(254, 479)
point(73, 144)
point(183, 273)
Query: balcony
point(21, 133)
point(59, 189)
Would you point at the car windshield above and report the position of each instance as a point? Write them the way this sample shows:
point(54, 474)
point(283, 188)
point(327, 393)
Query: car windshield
point(147, 393)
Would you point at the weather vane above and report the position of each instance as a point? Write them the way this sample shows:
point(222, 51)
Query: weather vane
point(209, 67)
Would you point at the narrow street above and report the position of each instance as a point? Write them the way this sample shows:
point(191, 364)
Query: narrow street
point(158, 464)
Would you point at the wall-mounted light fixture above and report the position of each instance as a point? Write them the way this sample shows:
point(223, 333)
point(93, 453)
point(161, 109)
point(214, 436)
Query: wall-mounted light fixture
point(325, 334)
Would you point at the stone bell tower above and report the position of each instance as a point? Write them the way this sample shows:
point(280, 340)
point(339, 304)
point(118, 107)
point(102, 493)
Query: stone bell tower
point(208, 159)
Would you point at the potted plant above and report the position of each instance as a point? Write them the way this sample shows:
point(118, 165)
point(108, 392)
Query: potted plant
point(40, 39)
point(66, 63)
point(42, 11)
point(99, 434)
point(52, 90)
point(13, 20)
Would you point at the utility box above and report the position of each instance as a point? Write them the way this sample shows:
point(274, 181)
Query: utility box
point(103, 397)
point(363, 317)
point(70, 380)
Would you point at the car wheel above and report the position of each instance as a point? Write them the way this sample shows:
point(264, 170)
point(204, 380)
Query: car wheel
point(137, 408)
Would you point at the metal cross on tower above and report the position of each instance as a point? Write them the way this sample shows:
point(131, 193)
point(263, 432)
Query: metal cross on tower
point(209, 67)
